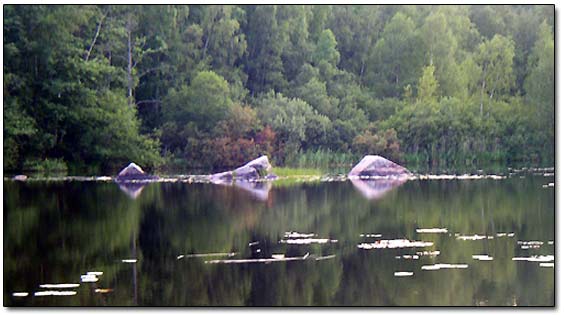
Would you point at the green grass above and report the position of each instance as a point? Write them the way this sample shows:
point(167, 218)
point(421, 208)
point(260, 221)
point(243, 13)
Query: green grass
point(321, 159)
point(292, 172)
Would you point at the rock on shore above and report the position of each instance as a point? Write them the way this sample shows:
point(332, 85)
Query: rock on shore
point(254, 170)
point(134, 172)
point(377, 166)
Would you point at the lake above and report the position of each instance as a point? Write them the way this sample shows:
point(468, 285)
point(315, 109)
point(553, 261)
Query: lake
point(474, 242)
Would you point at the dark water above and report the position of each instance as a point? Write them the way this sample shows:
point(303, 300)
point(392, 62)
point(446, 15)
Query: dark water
point(56, 232)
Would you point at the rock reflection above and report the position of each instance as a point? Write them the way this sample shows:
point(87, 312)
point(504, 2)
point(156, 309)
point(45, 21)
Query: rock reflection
point(259, 190)
point(133, 190)
point(374, 189)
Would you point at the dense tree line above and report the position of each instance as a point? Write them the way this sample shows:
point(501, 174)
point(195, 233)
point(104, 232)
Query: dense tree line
point(213, 86)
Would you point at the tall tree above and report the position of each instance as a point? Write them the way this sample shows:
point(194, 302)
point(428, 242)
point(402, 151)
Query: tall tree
point(428, 86)
point(539, 84)
point(395, 60)
point(495, 59)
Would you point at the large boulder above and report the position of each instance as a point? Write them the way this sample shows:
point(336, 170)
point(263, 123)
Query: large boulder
point(134, 172)
point(377, 166)
point(20, 177)
point(261, 165)
point(256, 169)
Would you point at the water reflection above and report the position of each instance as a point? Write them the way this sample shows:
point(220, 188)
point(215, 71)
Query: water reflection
point(56, 232)
point(258, 190)
point(376, 188)
point(133, 190)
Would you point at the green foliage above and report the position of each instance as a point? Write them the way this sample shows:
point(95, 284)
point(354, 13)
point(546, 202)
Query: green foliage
point(495, 59)
point(428, 85)
point(288, 171)
point(101, 85)
point(324, 159)
point(395, 61)
point(46, 166)
point(384, 143)
point(326, 49)
point(539, 85)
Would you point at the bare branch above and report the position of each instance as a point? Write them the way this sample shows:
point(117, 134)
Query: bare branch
point(148, 101)
point(95, 37)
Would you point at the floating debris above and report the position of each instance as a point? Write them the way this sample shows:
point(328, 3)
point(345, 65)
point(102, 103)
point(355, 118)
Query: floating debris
point(548, 174)
point(258, 250)
point(530, 242)
point(103, 290)
point(303, 241)
point(549, 265)
point(403, 274)
point(259, 260)
point(548, 185)
point(474, 237)
point(129, 261)
point(429, 253)
point(482, 257)
point(530, 246)
point(444, 266)
point(95, 273)
point(398, 243)
point(535, 258)
point(325, 257)
point(20, 294)
point(59, 286)
point(458, 177)
point(370, 235)
point(253, 243)
point(503, 234)
point(298, 235)
point(415, 257)
point(206, 255)
point(432, 230)
point(55, 293)
point(550, 242)
point(88, 278)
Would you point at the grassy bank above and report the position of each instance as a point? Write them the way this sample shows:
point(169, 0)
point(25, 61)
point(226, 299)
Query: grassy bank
point(293, 172)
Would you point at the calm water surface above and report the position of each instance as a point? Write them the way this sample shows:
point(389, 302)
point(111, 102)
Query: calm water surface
point(54, 232)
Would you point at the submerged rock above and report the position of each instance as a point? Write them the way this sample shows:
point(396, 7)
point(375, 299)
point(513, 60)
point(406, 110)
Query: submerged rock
point(134, 172)
point(377, 166)
point(256, 169)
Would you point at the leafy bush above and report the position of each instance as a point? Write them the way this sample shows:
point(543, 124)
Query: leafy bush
point(46, 166)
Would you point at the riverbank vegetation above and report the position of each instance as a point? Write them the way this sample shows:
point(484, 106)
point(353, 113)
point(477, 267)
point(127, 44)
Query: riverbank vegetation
point(177, 86)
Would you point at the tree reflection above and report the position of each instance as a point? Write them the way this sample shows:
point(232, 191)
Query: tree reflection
point(54, 232)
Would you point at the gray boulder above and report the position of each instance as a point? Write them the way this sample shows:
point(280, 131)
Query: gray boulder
point(20, 177)
point(256, 169)
point(134, 172)
point(377, 166)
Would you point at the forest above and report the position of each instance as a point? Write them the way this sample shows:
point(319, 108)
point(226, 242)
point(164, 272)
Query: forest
point(89, 88)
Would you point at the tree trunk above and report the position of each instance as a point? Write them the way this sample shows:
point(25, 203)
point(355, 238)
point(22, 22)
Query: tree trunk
point(482, 97)
point(95, 38)
point(129, 67)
